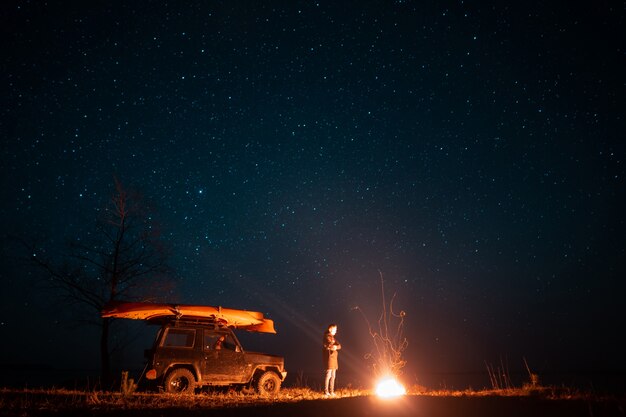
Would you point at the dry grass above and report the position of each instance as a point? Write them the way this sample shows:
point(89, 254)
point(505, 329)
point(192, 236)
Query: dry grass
point(31, 401)
point(60, 399)
point(551, 393)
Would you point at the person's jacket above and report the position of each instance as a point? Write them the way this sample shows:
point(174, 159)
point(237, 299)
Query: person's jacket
point(329, 356)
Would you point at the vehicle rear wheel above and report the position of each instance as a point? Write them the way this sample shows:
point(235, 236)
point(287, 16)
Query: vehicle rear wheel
point(180, 380)
point(268, 384)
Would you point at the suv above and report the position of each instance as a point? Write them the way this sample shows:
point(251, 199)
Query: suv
point(193, 354)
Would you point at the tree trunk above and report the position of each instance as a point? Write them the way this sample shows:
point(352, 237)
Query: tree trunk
point(105, 363)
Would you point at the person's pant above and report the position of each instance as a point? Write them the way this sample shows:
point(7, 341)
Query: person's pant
point(329, 381)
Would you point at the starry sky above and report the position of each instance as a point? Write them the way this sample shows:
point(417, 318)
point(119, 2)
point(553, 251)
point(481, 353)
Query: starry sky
point(470, 152)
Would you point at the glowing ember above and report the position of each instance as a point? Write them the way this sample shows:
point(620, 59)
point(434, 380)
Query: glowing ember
point(389, 387)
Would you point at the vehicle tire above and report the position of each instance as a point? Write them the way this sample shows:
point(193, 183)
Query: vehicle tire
point(268, 384)
point(180, 380)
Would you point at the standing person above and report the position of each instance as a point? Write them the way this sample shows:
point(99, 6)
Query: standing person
point(330, 354)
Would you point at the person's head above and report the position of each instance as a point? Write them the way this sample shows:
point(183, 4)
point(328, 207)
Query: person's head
point(332, 329)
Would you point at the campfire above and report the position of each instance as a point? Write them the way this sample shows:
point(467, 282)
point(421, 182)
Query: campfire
point(389, 387)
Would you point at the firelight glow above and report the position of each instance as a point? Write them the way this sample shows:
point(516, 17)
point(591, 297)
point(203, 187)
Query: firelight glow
point(389, 387)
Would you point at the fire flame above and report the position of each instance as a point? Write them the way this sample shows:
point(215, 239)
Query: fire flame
point(389, 387)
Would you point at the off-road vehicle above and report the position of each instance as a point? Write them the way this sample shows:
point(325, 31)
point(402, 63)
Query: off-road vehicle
point(192, 354)
point(196, 346)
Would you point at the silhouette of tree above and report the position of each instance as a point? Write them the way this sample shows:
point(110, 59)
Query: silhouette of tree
point(123, 259)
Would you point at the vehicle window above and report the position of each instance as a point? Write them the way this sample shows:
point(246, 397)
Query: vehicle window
point(179, 338)
point(213, 341)
point(210, 340)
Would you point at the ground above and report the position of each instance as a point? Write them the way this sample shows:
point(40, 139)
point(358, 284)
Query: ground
point(26, 403)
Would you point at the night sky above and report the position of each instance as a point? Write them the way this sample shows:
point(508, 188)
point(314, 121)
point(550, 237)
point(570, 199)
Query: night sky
point(472, 153)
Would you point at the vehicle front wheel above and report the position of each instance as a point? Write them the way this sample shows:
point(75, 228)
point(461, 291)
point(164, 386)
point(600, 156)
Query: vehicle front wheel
point(180, 380)
point(268, 384)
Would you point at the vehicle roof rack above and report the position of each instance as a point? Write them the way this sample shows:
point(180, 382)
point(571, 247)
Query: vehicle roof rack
point(188, 320)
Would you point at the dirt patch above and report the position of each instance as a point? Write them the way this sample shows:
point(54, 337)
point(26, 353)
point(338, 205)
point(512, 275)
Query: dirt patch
point(417, 406)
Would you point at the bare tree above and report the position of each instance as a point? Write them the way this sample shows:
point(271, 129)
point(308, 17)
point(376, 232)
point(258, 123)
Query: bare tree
point(123, 259)
point(388, 338)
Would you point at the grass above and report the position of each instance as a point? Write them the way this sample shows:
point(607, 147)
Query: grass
point(57, 400)
point(552, 393)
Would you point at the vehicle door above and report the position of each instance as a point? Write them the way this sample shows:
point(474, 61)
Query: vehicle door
point(224, 361)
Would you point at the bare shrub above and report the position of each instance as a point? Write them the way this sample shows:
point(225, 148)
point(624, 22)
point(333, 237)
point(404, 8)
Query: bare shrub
point(128, 385)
